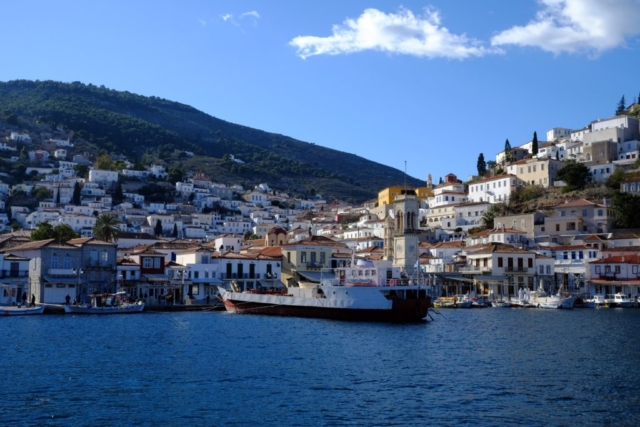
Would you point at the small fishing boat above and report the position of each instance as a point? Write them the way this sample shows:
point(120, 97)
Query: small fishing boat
point(20, 310)
point(106, 304)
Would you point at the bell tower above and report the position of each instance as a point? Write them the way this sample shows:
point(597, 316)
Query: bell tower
point(405, 232)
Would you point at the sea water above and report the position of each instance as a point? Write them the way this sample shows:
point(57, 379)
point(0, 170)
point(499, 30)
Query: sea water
point(490, 367)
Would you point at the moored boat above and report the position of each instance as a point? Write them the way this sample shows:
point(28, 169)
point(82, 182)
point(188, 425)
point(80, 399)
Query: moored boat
point(368, 291)
point(20, 310)
point(106, 304)
point(619, 300)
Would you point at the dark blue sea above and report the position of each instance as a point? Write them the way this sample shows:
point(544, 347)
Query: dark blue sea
point(489, 367)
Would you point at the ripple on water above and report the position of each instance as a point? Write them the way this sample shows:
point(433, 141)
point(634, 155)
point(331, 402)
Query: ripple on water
point(470, 367)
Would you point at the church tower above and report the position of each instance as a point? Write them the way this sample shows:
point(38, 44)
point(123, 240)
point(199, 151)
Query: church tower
point(405, 232)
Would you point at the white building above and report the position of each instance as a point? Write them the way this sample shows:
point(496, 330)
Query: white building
point(496, 189)
point(103, 176)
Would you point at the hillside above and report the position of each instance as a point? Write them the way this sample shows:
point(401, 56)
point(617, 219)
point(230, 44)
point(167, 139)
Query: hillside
point(155, 129)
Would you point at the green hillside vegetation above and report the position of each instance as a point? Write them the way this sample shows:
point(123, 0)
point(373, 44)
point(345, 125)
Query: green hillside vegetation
point(152, 129)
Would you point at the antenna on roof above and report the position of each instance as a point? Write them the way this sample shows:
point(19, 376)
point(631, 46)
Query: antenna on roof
point(405, 177)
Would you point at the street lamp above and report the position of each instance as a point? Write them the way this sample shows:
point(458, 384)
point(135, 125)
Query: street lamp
point(78, 272)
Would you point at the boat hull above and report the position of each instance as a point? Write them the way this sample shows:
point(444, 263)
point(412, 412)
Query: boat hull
point(130, 309)
point(21, 311)
point(401, 311)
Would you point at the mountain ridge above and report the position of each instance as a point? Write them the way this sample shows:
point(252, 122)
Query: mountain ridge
point(154, 128)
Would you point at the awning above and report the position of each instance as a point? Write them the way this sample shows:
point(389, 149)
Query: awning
point(316, 276)
point(156, 277)
point(457, 279)
point(65, 280)
point(499, 279)
point(614, 282)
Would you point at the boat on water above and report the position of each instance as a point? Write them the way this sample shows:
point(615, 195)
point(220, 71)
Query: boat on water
point(521, 303)
point(585, 301)
point(20, 310)
point(540, 298)
point(363, 290)
point(106, 304)
point(501, 304)
point(10, 308)
point(619, 300)
point(458, 301)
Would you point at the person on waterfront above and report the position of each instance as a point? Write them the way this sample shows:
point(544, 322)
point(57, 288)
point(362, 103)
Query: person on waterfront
point(24, 298)
point(33, 300)
point(208, 299)
point(67, 299)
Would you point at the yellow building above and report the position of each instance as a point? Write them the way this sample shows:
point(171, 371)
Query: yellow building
point(389, 195)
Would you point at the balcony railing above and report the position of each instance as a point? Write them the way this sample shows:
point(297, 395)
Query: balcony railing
point(516, 269)
point(14, 273)
point(470, 269)
point(61, 272)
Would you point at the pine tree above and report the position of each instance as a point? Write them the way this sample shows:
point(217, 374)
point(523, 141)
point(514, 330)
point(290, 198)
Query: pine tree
point(441, 181)
point(621, 106)
point(158, 228)
point(534, 144)
point(175, 230)
point(58, 196)
point(482, 165)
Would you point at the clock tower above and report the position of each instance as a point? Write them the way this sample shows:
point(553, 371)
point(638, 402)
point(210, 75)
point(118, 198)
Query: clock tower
point(405, 232)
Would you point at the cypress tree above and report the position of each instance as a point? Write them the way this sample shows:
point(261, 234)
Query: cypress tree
point(508, 154)
point(534, 144)
point(482, 165)
point(175, 230)
point(77, 199)
point(158, 228)
point(621, 106)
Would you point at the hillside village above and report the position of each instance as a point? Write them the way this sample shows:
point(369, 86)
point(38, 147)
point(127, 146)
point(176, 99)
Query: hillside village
point(177, 241)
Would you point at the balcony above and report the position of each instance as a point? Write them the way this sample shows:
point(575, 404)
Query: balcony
point(516, 269)
point(315, 265)
point(96, 264)
point(61, 272)
point(14, 273)
point(472, 269)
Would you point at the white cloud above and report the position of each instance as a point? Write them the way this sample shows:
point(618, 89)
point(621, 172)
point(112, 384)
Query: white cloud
point(251, 13)
point(401, 32)
point(576, 26)
point(226, 17)
point(202, 22)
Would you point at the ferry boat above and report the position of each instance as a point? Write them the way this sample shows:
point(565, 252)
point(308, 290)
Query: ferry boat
point(106, 304)
point(363, 290)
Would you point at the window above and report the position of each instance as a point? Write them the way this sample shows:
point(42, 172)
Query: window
point(548, 269)
point(54, 262)
point(500, 262)
point(156, 263)
point(66, 262)
point(562, 213)
point(303, 256)
point(313, 257)
point(541, 269)
point(600, 212)
point(322, 258)
point(530, 263)
point(584, 212)
point(147, 262)
point(104, 257)
point(597, 269)
point(617, 269)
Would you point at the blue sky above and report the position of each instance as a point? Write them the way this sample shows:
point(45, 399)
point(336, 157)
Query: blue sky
point(433, 83)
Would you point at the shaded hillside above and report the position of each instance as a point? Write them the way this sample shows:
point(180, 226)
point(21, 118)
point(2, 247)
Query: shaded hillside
point(134, 125)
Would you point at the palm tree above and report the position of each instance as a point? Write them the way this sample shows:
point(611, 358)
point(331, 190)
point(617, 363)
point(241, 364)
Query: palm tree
point(106, 228)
